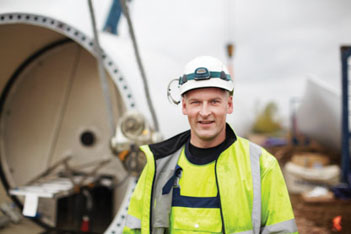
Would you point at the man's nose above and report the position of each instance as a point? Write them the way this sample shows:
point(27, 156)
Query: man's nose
point(205, 110)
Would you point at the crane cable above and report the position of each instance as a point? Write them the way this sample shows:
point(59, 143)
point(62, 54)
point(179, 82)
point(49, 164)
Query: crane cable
point(102, 74)
point(140, 65)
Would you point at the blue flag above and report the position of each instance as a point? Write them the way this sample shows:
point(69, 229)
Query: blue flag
point(113, 17)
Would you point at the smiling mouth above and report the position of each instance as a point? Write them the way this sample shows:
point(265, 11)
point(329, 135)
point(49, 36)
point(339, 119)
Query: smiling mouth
point(206, 122)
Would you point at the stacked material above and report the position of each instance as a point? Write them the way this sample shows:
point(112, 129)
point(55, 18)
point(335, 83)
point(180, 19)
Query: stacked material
point(305, 171)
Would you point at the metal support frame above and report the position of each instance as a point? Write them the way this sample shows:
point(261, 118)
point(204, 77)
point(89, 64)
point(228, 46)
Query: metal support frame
point(345, 161)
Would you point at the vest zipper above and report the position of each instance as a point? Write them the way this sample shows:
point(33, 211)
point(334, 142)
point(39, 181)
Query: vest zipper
point(220, 202)
point(152, 194)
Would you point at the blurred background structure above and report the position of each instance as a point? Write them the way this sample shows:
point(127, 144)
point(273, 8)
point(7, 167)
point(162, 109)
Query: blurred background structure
point(82, 86)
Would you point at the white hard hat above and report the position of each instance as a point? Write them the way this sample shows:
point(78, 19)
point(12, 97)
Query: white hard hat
point(205, 71)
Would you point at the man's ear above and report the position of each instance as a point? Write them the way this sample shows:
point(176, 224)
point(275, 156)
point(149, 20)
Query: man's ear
point(230, 104)
point(184, 106)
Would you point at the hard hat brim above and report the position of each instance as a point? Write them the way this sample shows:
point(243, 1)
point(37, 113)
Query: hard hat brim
point(210, 83)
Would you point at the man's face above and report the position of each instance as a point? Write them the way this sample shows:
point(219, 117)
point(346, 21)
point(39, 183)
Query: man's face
point(206, 109)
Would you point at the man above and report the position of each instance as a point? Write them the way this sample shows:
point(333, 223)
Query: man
point(208, 180)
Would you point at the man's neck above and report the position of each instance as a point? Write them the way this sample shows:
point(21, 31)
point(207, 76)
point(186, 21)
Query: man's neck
point(204, 155)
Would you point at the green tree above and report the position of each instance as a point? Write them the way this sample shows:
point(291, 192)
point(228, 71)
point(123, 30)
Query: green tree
point(266, 121)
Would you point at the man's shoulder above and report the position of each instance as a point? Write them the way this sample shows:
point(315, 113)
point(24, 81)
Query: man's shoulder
point(268, 161)
point(265, 157)
point(245, 144)
point(170, 145)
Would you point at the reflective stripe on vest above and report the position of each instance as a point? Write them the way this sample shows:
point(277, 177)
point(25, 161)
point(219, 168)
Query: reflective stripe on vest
point(133, 222)
point(244, 232)
point(288, 226)
point(255, 153)
point(194, 202)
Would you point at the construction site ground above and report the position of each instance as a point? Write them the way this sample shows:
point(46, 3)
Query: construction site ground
point(316, 217)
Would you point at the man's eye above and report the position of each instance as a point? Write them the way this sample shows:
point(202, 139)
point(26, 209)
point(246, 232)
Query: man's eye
point(215, 101)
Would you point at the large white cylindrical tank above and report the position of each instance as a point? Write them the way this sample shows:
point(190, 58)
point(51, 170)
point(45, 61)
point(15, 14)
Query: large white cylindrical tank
point(51, 102)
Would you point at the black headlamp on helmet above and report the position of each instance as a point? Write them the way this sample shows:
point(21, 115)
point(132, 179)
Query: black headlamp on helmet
point(202, 73)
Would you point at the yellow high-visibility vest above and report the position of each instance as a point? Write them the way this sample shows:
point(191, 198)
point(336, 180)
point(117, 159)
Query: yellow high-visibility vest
point(253, 195)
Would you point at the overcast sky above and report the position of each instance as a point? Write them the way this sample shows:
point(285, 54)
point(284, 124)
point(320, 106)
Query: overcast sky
point(275, 39)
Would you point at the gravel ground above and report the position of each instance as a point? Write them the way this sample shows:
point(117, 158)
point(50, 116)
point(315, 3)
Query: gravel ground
point(313, 218)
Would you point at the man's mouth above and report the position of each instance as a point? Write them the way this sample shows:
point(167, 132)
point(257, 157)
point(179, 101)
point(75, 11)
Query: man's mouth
point(205, 122)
